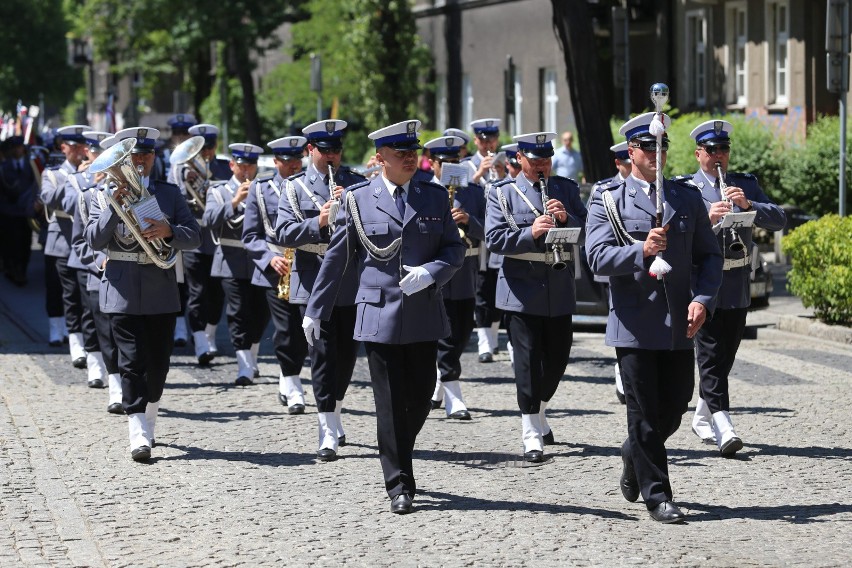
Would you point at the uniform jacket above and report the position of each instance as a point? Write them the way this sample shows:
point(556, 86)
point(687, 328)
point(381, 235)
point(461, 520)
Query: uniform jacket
point(53, 190)
point(207, 247)
point(598, 184)
point(255, 234)
point(463, 283)
point(128, 287)
point(736, 287)
point(526, 286)
point(92, 260)
point(473, 162)
point(294, 233)
point(225, 222)
point(430, 239)
point(18, 189)
point(647, 313)
point(76, 184)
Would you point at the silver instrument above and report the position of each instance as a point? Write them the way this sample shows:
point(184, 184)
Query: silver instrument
point(188, 154)
point(492, 173)
point(558, 262)
point(118, 167)
point(737, 244)
point(335, 201)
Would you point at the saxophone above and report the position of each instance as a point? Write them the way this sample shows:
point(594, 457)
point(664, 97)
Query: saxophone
point(284, 280)
point(451, 189)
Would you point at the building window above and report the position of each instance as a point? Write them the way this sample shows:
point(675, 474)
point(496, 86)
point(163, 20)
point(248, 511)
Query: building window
point(736, 26)
point(696, 42)
point(778, 22)
point(467, 100)
point(519, 100)
point(549, 100)
point(440, 102)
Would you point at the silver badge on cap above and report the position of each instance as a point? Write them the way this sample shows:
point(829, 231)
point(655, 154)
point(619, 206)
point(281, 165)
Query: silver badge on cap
point(203, 130)
point(142, 133)
point(294, 142)
point(717, 127)
point(411, 127)
point(540, 138)
point(329, 126)
point(489, 123)
point(79, 130)
point(448, 142)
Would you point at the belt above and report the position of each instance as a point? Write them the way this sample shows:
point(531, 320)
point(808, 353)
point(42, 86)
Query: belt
point(472, 252)
point(137, 257)
point(62, 214)
point(317, 248)
point(736, 262)
point(546, 257)
point(235, 243)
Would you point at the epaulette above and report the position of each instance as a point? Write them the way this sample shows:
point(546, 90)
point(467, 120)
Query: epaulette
point(741, 175)
point(265, 176)
point(682, 177)
point(572, 180)
point(685, 180)
point(296, 175)
point(609, 184)
point(358, 185)
point(218, 182)
point(502, 182)
point(351, 172)
point(599, 183)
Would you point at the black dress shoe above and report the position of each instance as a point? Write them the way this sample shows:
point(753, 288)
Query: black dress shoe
point(620, 396)
point(205, 358)
point(436, 404)
point(534, 456)
point(401, 504)
point(180, 342)
point(79, 363)
point(96, 384)
point(141, 454)
point(115, 408)
point(667, 512)
point(548, 439)
point(256, 374)
point(326, 455)
point(243, 382)
point(55, 343)
point(731, 447)
point(296, 409)
point(282, 399)
point(496, 350)
point(341, 441)
point(629, 484)
point(486, 358)
point(459, 415)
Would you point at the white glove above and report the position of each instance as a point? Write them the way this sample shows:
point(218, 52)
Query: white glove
point(418, 278)
point(311, 327)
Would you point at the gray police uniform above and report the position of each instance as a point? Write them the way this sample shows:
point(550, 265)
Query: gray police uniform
point(399, 332)
point(141, 299)
point(537, 301)
point(246, 308)
point(717, 342)
point(648, 317)
point(333, 355)
point(262, 245)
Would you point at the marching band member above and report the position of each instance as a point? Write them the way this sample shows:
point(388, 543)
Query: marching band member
point(57, 249)
point(468, 211)
point(535, 290)
point(717, 341)
point(306, 216)
point(246, 309)
point(652, 320)
point(273, 269)
point(513, 166)
point(141, 298)
point(402, 236)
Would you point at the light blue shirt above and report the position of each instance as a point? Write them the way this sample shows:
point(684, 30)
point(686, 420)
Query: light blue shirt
point(567, 163)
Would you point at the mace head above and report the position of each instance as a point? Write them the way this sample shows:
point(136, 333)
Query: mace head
point(659, 95)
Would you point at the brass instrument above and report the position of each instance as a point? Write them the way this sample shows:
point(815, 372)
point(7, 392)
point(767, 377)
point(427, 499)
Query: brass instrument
point(335, 201)
point(118, 167)
point(188, 154)
point(558, 262)
point(492, 173)
point(284, 280)
point(451, 189)
point(737, 244)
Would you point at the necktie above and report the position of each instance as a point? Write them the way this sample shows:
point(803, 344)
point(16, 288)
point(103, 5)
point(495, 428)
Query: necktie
point(718, 187)
point(400, 204)
point(652, 194)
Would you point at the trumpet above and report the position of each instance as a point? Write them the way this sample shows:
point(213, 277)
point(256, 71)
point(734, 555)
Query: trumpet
point(188, 154)
point(558, 262)
point(335, 201)
point(737, 244)
point(118, 167)
point(284, 281)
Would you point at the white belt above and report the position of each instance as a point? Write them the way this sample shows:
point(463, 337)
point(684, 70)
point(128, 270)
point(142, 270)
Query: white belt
point(62, 214)
point(736, 263)
point(235, 243)
point(275, 248)
point(137, 257)
point(546, 257)
point(472, 252)
point(318, 248)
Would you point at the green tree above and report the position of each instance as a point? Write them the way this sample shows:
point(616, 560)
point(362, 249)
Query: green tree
point(34, 60)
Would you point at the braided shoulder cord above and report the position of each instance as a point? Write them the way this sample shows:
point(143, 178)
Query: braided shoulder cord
point(504, 205)
point(294, 201)
point(81, 207)
point(381, 254)
point(621, 235)
point(261, 204)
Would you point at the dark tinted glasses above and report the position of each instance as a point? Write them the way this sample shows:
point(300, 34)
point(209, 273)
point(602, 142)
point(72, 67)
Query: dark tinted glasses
point(718, 149)
point(650, 145)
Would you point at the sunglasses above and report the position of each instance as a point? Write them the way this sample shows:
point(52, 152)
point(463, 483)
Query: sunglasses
point(717, 149)
point(329, 150)
point(651, 145)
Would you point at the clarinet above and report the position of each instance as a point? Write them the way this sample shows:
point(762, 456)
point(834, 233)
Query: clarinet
point(335, 201)
point(558, 262)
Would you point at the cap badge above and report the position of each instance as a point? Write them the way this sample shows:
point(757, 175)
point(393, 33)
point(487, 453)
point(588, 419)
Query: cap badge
point(142, 133)
point(329, 127)
point(411, 127)
point(489, 123)
point(294, 142)
point(717, 127)
point(448, 142)
point(540, 138)
point(179, 118)
point(78, 130)
point(203, 130)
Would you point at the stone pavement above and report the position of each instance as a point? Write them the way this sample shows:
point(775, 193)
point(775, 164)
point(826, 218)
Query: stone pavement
point(233, 481)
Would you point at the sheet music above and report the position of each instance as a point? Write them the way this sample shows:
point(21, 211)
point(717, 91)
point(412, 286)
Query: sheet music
point(147, 208)
point(457, 175)
point(738, 220)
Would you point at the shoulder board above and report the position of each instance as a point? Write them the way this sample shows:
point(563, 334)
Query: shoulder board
point(609, 184)
point(350, 172)
point(565, 178)
point(218, 182)
point(599, 183)
point(297, 175)
point(685, 181)
point(742, 176)
point(503, 182)
point(682, 177)
point(265, 176)
point(431, 185)
point(358, 185)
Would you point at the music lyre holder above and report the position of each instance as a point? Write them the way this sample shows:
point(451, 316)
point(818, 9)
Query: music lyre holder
point(562, 236)
point(740, 220)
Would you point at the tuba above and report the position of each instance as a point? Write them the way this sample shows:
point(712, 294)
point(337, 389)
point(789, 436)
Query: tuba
point(188, 154)
point(116, 164)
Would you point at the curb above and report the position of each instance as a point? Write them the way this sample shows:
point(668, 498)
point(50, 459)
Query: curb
point(813, 328)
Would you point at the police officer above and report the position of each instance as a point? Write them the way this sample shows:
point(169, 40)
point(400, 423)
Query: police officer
point(179, 125)
point(246, 309)
point(513, 166)
point(407, 247)
point(486, 137)
point(717, 341)
point(57, 248)
point(94, 262)
point(306, 216)
point(273, 264)
point(140, 297)
point(535, 291)
point(652, 321)
point(18, 193)
point(468, 211)
point(463, 150)
point(204, 291)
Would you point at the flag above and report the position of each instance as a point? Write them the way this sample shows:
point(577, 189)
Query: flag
point(109, 116)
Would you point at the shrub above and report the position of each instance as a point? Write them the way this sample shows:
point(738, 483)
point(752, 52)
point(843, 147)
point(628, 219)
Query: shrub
point(811, 173)
point(821, 273)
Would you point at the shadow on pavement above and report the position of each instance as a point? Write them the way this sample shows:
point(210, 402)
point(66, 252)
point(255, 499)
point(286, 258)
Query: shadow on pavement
point(795, 514)
point(192, 453)
point(218, 416)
